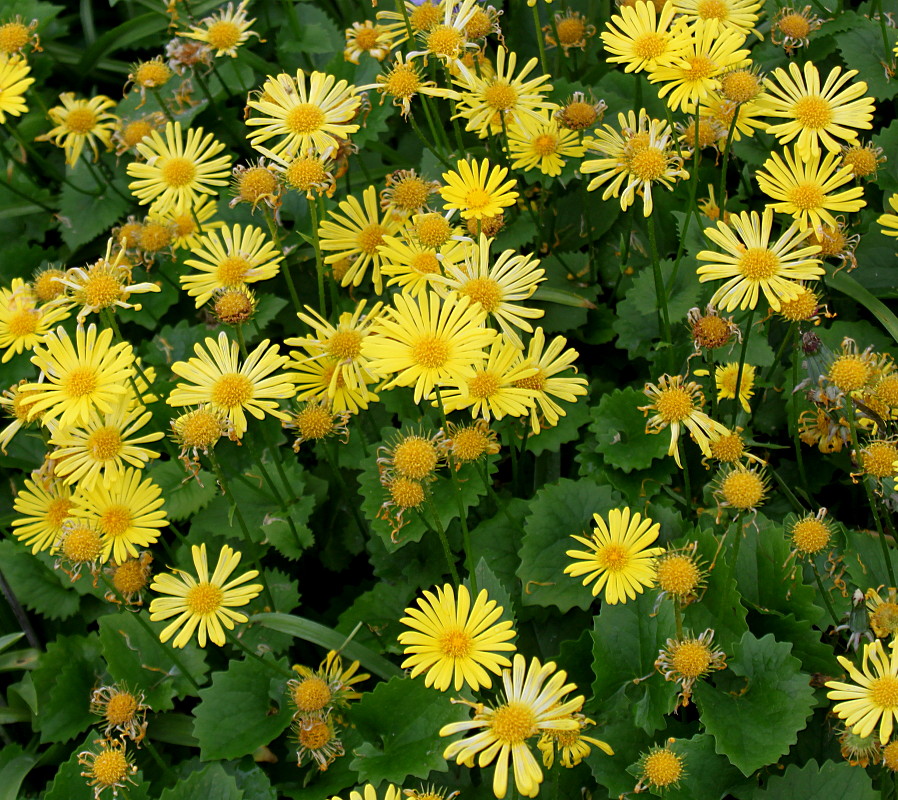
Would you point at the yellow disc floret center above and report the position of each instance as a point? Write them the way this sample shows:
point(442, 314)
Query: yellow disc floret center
point(178, 171)
point(648, 164)
point(110, 767)
point(426, 264)
point(742, 490)
point(121, 708)
point(101, 290)
point(455, 642)
point(700, 67)
point(806, 196)
point(678, 575)
point(613, 557)
point(13, 37)
point(740, 86)
point(536, 382)
point(311, 694)
point(315, 735)
point(81, 545)
point(758, 264)
point(430, 352)
point(371, 237)
point(649, 46)
point(304, 118)
point(513, 723)
point(303, 173)
point(24, 322)
point(223, 34)
point(232, 271)
point(204, 599)
point(345, 345)
point(500, 96)
point(484, 291)
point(406, 493)
point(712, 9)
point(849, 373)
point(662, 768)
point(256, 183)
point(115, 520)
point(445, 41)
point(885, 619)
point(884, 692)
point(878, 458)
point(232, 390)
point(415, 457)
point(104, 443)
point(366, 38)
point(545, 144)
point(813, 112)
point(81, 120)
point(674, 404)
point(483, 385)
point(424, 16)
point(794, 26)
point(411, 194)
point(58, 511)
point(691, 659)
point(403, 82)
point(81, 382)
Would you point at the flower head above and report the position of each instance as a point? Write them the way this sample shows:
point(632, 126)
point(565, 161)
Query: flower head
point(108, 767)
point(223, 31)
point(477, 190)
point(122, 711)
point(689, 659)
point(14, 82)
point(80, 122)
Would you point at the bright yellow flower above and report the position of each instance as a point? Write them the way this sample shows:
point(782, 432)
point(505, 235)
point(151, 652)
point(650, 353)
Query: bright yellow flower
point(541, 143)
point(639, 37)
point(23, 321)
point(80, 122)
point(14, 82)
point(741, 15)
point(889, 222)
point(203, 602)
point(367, 37)
point(477, 190)
point(223, 31)
point(45, 506)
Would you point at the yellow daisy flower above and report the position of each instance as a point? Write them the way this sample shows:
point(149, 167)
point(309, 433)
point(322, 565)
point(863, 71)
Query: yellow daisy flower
point(740, 15)
point(80, 122)
point(691, 74)
point(454, 642)
point(511, 98)
point(127, 511)
point(367, 37)
point(541, 143)
point(203, 603)
point(678, 404)
point(750, 263)
point(357, 234)
point(873, 697)
point(370, 793)
point(45, 505)
point(619, 558)
point(110, 768)
point(638, 36)
point(78, 377)
point(802, 187)
point(889, 222)
point(223, 31)
point(330, 685)
point(306, 116)
point(189, 219)
point(571, 746)
point(549, 362)
point(103, 445)
point(16, 35)
point(427, 341)
point(816, 115)
point(219, 379)
point(725, 379)
point(495, 389)
point(414, 267)
point(232, 257)
point(477, 189)
point(402, 81)
point(496, 286)
point(178, 170)
point(14, 82)
point(720, 111)
point(23, 321)
point(447, 39)
point(535, 700)
point(320, 377)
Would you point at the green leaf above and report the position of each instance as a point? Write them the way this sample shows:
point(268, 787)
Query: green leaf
point(550, 439)
point(63, 682)
point(833, 781)
point(488, 580)
point(184, 495)
point(496, 540)
point(236, 715)
point(409, 744)
point(82, 216)
point(627, 741)
point(708, 776)
point(37, 586)
point(327, 637)
point(277, 531)
point(70, 785)
point(556, 513)
point(15, 764)
point(9, 639)
point(626, 641)
point(757, 705)
point(379, 611)
point(139, 659)
point(845, 283)
point(619, 428)
point(862, 48)
point(144, 26)
point(211, 783)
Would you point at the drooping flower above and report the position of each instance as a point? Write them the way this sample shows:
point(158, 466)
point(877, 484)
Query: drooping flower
point(80, 122)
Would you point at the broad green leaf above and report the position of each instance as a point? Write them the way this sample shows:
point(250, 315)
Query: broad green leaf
point(37, 587)
point(63, 682)
point(619, 428)
point(410, 745)
point(556, 513)
point(9, 639)
point(236, 714)
point(708, 776)
point(488, 581)
point(379, 611)
point(145, 26)
point(845, 283)
point(184, 495)
point(807, 641)
point(626, 739)
point(758, 704)
point(15, 764)
point(139, 659)
point(84, 216)
point(626, 641)
point(830, 780)
point(550, 439)
point(211, 783)
point(862, 48)
point(864, 560)
point(327, 637)
point(496, 540)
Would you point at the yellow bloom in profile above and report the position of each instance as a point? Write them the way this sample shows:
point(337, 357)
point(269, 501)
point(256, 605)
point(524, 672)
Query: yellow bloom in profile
point(750, 263)
point(219, 379)
point(873, 697)
point(14, 82)
point(549, 362)
point(690, 75)
point(539, 142)
point(427, 341)
point(535, 700)
point(619, 558)
point(497, 388)
point(78, 376)
point(178, 170)
point(80, 122)
point(720, 111)
point(321, 377)
point(223, 31)
point(23, 321)
point(498, 286)
point(889, 222)
point(45, 506)
point(370, 793)
point(740, 15)
point(571, 746)
point(638, 36)
point(203, 603)
point(638, 156)
point(803, 187)
point(305, 116)
point(725, 377)
point(127, 509)
point(330, 686)
point(816, 115)
point(477, 190)
point(882, 611)
point(232, 257)
point(103, 445)
point(502, 96)
point(414, 267)
point(677, 404)
point(454, 642)
point(357, 234)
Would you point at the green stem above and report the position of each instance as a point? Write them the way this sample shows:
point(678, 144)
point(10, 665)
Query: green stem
point(151, 749)
point(438, 527)
point(826, 599)
point(275, 668)
point(687, 483)
point(537, 26)
point(779, 354)
point(660, 292)
point(319, 261)
point(427, 145)
point(251, 545)
point(157, 94)
point(285, 264)
point(796, 436)
point(742, 352)
point(882, 28)
point(721, 196)
point(484, 476)
point(678, 618)
point(110, 177)
point(456, 127)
